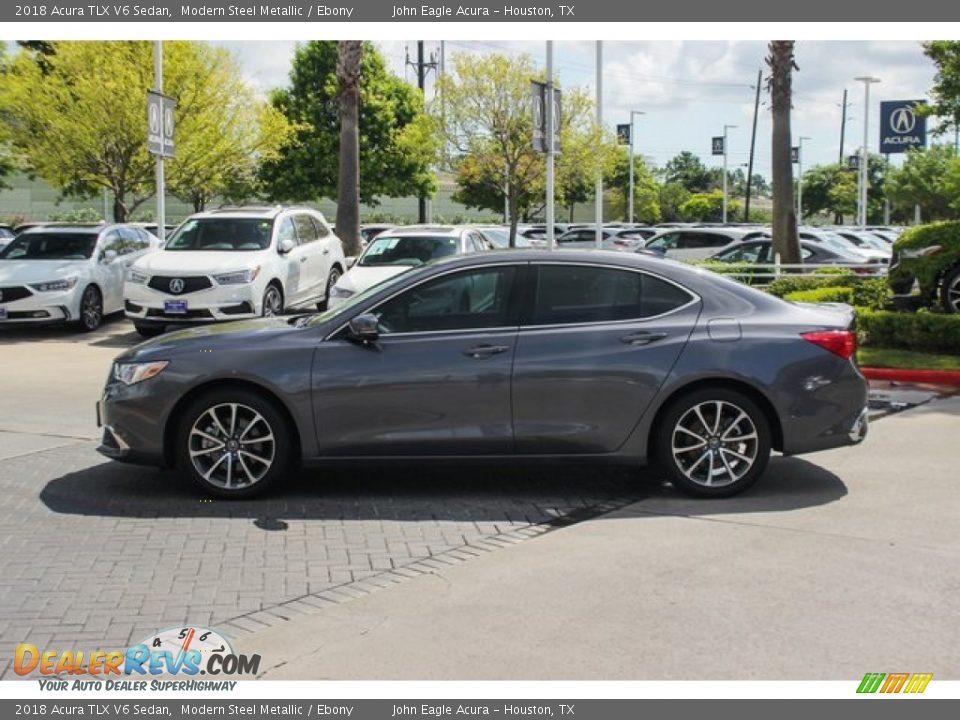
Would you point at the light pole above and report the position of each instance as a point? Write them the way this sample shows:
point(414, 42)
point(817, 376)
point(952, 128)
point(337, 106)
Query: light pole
point(867, 81)
point(800, 178)
point(725, 128)
point(598, 189)
point(551, 240)
point(160, 179)
point(633, 113)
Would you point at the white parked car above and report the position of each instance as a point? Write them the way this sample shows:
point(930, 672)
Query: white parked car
point(698, 243)
point(395, 251)
point(68, 274)
point(232, 264)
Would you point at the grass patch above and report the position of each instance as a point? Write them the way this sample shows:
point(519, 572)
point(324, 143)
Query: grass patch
point(907, 359)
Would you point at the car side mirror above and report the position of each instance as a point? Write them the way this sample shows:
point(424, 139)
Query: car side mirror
point(365, 328)
point(108, 256)
point(286, 246)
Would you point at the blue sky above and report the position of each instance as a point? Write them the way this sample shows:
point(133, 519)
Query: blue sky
point(689, 90)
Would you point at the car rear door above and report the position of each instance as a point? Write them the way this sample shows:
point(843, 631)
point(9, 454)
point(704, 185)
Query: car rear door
point(314, 264)
point(594, 348)
point(293, 270)
point(437, 382)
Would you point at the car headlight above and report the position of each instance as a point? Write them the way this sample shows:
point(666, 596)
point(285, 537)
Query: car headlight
point(238, 278)
point(55, 285)
point(137, 278)
point(340, 292)
point(132, 373)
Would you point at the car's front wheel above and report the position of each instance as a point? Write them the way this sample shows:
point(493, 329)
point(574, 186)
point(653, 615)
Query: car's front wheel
point(233, 443)
point(91, 310)
point(713, 442)
point(950, 291)
point(332, 279)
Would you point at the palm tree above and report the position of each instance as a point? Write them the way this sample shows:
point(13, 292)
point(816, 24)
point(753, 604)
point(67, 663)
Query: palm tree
point(779, 84)
point(350, 55)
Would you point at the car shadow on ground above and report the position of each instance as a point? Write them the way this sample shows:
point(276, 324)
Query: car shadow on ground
point(116, 331)
point(539, 493)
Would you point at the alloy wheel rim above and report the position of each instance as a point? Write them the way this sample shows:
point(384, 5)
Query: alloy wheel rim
point(231, 446)
point(91, 309)
point(953, 294)
point(271, 303)
point(715, 443)
point(332, 280)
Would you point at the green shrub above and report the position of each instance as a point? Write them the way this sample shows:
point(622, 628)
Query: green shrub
point(932, 332)
point(823, 294)
point(927, 269)
point(786, 284)
point(870, 293)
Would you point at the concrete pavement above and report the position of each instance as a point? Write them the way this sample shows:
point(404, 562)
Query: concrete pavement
point(840, 563)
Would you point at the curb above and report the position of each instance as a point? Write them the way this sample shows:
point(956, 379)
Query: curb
point(935, 377)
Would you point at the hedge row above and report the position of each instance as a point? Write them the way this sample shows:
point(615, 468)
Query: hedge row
point(869, 293)
point(926, 331)
point(822, 295)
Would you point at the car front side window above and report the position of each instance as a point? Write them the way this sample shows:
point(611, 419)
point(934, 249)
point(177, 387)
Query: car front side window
point(465, 300)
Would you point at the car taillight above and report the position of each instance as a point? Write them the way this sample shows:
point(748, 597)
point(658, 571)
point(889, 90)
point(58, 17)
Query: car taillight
point(839, 342)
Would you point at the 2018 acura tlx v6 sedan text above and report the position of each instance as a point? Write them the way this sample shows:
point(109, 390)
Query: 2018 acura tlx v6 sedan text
point(593, 355)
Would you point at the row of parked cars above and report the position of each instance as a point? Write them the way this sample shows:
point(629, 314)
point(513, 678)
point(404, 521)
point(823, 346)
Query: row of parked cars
point(245, 262)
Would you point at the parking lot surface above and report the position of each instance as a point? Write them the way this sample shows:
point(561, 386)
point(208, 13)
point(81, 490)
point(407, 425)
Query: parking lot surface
point(483, 571)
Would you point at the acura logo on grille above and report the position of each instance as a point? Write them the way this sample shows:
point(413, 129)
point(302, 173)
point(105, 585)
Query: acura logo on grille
point(176, 286)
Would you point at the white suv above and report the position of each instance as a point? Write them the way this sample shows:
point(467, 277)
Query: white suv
point(232, 264)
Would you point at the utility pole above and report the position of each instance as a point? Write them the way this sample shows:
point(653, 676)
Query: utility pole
point(865, 154)
point(800, 178)
point(422, 67)
point(598, 192)
point(843, 123)
point(633, 113)
point(161, 181)
point(551, 240)
point(753, 145)
point(725, 128)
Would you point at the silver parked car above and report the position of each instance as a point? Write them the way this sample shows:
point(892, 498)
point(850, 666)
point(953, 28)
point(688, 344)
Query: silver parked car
point(697, 243)
point(516, 355)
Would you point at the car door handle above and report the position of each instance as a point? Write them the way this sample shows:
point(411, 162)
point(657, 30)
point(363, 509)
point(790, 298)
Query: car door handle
point(303, 259)
point(481, 351)
point(326, 251)
point(642, 338)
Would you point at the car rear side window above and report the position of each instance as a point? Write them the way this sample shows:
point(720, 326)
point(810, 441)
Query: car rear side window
point(461, 301)
point(697, 240)
point(306, 230)
point(568, 294)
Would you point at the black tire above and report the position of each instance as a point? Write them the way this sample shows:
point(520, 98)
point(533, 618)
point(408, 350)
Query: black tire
point(335, 274)
point(91, 310)
point(272, 424)
point(950, 291)
point(733, 464)
point(148, 330)
point(272, 304)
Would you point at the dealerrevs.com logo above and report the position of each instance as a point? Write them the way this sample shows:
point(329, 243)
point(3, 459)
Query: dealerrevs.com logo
point(889, 683)
point(184, 651)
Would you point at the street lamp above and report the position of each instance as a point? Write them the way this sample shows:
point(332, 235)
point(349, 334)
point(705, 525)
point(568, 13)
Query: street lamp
point(800, 177)
point(633, 113)
point(725, 128)
point(867, 81)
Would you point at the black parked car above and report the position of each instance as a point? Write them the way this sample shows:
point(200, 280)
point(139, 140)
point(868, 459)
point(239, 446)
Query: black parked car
point(604, 356)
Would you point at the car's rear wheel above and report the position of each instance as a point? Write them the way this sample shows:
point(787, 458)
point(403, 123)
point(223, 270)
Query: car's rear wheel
point(272, 302)
point(713, 442)
point(950, 291)
point(148, 330)
point(233, 443)
point(332, 279)
point(91, 310)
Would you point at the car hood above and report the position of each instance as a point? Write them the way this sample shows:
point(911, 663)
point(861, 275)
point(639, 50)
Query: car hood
point(223, 335)
point(185, 262)
point(20, 272)
point(359, 278)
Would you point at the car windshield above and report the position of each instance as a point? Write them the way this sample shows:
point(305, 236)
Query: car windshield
point(51, 246)
point(407, 249)
point(222, 234)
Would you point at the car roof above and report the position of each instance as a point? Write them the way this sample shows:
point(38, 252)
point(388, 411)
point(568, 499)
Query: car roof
point(451, 230)
point(72, 229)
point(261, 211)
point(731, 231)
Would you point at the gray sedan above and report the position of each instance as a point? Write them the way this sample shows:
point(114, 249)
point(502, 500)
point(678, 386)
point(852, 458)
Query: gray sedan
point(517, 355)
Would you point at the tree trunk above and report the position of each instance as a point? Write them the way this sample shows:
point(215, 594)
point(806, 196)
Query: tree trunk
point(512, 206)
point(785, 239)
point(119, 209)
point(350, 54)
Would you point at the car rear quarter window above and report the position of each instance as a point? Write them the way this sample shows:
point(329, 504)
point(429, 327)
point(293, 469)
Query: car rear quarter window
point(698, 240)
point(572, 294)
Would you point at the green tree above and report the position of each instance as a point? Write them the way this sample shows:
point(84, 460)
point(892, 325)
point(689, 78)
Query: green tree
point(487, 122)
point(687, 169)
point(928, 178)
point(7, 157)
point(349, 67)
point(646, 189)
point(780, 85)
point(833, 190)
point(707, 206)
point(396, 137)
point(672, 198)
point(946, 83)
point(76, 112)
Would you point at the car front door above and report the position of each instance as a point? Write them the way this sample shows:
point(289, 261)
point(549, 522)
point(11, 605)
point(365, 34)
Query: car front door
point(313, 265)
point(595, 345)
point(111, 270)
point(437, 381)
point(292, 263)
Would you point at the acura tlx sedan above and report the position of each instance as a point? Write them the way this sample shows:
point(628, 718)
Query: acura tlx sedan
point(593, 355)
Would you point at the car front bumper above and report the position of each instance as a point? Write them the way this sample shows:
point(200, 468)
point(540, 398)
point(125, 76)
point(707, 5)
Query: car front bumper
point(219, 303)
point(132, 419)
point(48, 307)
